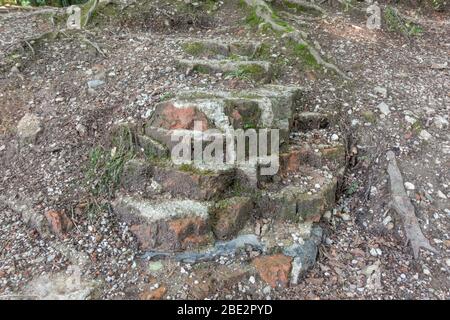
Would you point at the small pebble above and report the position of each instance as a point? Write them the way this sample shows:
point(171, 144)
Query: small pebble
point(409, 186)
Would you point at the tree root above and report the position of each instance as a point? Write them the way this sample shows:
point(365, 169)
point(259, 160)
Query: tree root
point(307, 5)
point(90, 12)
point(297, 37)
point(266, 14)
point(94, 45)
point(403, 206)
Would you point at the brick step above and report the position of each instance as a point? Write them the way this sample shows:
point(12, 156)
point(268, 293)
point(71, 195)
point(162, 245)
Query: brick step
point(260, 71)
point(220, 48)
point(314, 148)
point(318, 156)
point(265, 107)
point(181, 224)
point(305, 196)
point(166, 225)
point(306, 121)
point(151, 179)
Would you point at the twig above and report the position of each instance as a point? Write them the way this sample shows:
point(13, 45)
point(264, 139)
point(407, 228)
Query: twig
point(30, 46)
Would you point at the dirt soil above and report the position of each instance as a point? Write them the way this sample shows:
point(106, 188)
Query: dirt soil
point(364, 255)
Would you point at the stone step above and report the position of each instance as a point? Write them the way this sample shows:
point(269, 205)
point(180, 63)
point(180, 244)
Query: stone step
point(306, 197)
point(193, 183)
point(220, 48)
point(303, 194)
point(310, 154)
point(260, 71)
point(166, 225)
point(149, 178)
point(230, 215)
point(305, 121)
point(269, 106)
point(277, 104)
point(173, 225)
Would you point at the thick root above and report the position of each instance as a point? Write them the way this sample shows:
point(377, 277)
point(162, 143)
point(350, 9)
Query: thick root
point(266, 14)
point(403, 206)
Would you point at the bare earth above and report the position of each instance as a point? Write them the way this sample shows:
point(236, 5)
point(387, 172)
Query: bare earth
point(364, 254)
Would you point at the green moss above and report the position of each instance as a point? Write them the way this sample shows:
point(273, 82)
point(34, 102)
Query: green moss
point(253, 19)
point(201, 69)
point(296, 7)
point(157, 160)
point(263, 52)
point(187, 167)
point(194, 48)
point(166, 96)
point(197, 95)
point(396, 23)
point(247, 72)
point(235, 57)
point(354, 186)
point(281, 22)
point(369, 116)
point(417, 127)
point(252, 70)
point(301, 51)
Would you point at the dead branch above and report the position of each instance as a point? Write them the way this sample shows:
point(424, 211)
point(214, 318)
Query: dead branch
point(403, 206)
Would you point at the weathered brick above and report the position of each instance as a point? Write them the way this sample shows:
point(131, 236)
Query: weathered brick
point(195, 185)
point(169, 116)
point(59, 223)
point(171, 225)
point(275, 269)
point(230, 216)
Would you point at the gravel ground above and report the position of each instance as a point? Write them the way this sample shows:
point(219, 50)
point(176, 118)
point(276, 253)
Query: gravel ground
point(365, 255)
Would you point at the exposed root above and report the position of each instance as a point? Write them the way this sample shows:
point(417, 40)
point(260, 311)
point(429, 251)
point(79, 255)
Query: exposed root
point(30, 46)
point(307, 5)
point(295, 18)
point(29, 41)
point(94, 45)
point(297, 37)
point(266, 14)
point(90, 12)
point(403, 206)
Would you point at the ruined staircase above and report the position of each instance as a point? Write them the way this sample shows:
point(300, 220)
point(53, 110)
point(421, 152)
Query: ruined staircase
point(199, 211)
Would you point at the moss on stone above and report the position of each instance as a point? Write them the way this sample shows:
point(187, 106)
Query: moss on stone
point(301, 51)
point(194, 48)
point(190, 168)
point(201, 69)
point(252, 70)
point(253, 19)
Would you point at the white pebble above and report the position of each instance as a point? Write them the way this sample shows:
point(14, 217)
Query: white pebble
point(409, 186)
point(441, 195)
